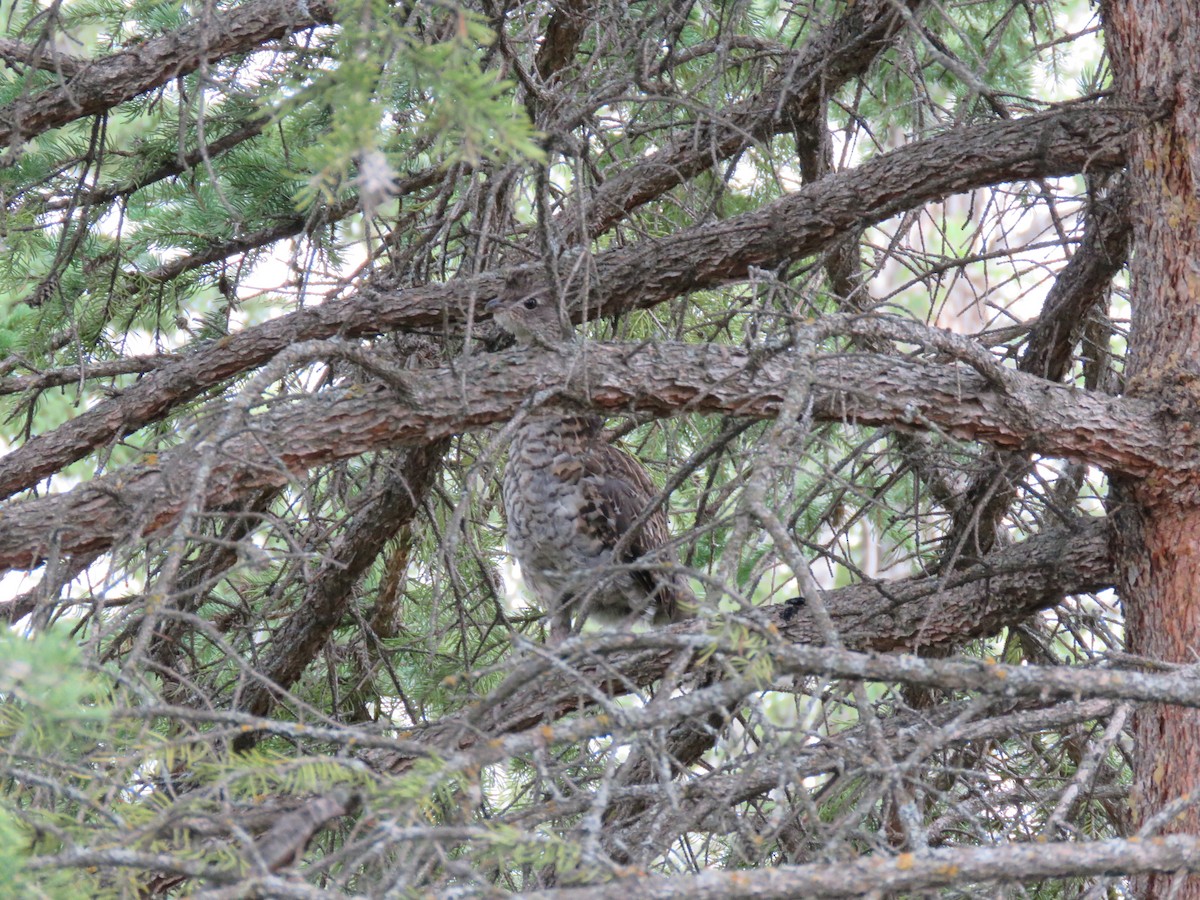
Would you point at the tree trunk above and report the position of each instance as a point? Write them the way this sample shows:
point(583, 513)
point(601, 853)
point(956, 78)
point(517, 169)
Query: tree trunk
point(1155, 48)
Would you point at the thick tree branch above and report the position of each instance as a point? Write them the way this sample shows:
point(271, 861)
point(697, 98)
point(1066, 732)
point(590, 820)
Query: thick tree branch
point(285, 841)
point(1132, 436)
point(1178, 687)
point(902, 615)
point(1081, 286)
point(832, 57)
point(978, 600)
point(1063, 142)
point(114, 79)
point(649, 272)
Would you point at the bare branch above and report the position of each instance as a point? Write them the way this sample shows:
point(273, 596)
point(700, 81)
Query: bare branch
point(1006, 863)
point(330, 588)
point(41, 56)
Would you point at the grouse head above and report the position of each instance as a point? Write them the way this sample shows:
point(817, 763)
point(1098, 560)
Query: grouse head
point(531, 320)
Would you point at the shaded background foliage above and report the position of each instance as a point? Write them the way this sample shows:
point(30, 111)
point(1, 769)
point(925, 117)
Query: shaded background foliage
point(314, 677)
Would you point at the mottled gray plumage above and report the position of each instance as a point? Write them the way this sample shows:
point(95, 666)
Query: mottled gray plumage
point(570, 497)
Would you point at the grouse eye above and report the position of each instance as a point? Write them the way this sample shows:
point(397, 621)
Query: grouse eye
point(530, 303)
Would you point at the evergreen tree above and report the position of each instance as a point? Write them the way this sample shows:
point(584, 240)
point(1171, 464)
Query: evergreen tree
point(893, 299)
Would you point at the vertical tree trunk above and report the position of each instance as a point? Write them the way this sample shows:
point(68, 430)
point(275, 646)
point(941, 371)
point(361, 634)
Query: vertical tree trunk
point(1155, 48)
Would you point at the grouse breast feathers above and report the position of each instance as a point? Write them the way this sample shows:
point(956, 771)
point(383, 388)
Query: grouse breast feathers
point(571, 498)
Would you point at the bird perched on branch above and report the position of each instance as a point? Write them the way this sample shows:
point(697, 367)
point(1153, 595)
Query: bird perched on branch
point(572, 499)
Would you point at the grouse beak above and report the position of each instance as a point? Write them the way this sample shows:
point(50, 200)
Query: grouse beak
point(492, 305)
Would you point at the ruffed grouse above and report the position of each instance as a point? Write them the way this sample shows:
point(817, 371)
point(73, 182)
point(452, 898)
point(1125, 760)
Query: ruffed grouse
point(570, 497)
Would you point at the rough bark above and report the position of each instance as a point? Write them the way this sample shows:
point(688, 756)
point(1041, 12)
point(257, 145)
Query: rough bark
point(669, 694)
point(101, 84)
point(1155, 46)
point(1019, 412)
point(1002, 590)
point(649, 272)
point(795, 93)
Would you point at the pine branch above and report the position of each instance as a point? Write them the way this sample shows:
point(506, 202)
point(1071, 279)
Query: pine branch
point(1119, 434)
point(110, 80)
point(649, 272)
